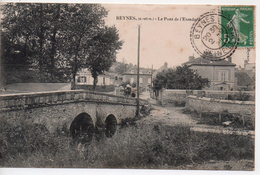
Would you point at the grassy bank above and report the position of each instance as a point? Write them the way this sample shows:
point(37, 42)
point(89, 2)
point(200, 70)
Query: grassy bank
point(213, 118)
point(136, 146)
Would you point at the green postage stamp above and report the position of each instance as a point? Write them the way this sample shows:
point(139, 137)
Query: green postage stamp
point(242, 18)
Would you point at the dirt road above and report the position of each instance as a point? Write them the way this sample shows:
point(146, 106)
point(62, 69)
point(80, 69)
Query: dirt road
point(166, 115)
point(174, 116)
point(169, 116)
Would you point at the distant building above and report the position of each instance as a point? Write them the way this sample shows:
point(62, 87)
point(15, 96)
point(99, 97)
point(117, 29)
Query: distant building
point(155, 93)
point(249, 66)
point(84, 77)
point(221, 74)
point(245, 77)
point(165, 66)
point(116, 79)
point(244, 81)
point(145, 76)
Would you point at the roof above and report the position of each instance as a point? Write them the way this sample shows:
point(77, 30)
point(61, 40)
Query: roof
point(243, 79)
point(126, 73)
point(142, 70)
point(206, 62)
point(163, 67)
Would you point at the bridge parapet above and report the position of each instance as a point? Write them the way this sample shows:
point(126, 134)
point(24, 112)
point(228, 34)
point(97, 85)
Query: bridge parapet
point(30, 100)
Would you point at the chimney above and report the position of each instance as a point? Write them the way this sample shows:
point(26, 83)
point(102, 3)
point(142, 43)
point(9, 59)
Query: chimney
point(191, 58)
point(230, 59)
point(245, 63)
point(166, 65)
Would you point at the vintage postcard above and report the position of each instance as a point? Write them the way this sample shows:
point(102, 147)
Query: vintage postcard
point(128, 86)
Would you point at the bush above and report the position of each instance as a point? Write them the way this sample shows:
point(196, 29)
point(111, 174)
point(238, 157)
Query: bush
point(179, 103)
point(240, 96)
point(139, 146)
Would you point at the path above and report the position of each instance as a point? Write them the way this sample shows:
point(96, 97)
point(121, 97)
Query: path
point(170, 116)
point(166, 115)
point(174, 116)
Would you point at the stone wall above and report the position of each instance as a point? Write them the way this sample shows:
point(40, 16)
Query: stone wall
point(244, 109)
point(203, 104)
point(30, 100)
point(169, 97)
point(57, 110)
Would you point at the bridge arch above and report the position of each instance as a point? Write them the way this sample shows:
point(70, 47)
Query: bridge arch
point(110, 125)
point(82, 127)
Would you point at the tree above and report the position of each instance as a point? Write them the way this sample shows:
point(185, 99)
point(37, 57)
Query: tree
point(180, 78)
point(30, 28)
point(83, 23)
point(54, 41)
point(17, 46)
point(103, 51)
point(122, 67)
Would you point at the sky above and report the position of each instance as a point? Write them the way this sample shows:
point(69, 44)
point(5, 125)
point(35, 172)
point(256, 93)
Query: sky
point(164, 38)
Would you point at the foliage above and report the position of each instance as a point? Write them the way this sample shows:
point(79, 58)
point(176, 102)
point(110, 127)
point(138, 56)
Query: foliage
point(125, 83)
point(180, 78)
point(240, 96)
point(103, 51)
point(213, 118)
point(29, 32)
point(122, 67)
point(139, 145)
point(54, 41)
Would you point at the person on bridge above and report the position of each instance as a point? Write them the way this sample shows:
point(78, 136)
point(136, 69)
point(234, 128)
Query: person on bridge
point(128, 90)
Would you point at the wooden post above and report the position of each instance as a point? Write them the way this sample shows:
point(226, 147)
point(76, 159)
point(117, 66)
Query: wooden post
point(219, 117)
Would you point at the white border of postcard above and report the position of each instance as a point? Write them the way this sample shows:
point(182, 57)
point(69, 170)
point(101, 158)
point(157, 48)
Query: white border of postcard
point(67, 171)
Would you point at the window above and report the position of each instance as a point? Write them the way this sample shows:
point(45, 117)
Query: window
point(115, 77)
point(223, 75)
point(104, 80)
point(132, 80)
point(82, 79)
point(141, 80)
point(149, 81)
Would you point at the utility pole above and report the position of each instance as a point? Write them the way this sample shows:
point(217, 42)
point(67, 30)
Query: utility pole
point(152, 82)
point(138, 58)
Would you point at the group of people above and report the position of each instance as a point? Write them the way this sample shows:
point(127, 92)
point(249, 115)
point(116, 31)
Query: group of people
point(130, 91)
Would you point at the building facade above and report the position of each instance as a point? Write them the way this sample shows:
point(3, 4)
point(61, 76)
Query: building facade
point(145, 77)
point(221, 74)
point(84, 77)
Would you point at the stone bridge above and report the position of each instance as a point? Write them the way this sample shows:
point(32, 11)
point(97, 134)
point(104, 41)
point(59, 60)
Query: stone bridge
point(75, 111)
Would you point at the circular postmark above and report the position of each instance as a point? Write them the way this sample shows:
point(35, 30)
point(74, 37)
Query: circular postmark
point(213, 36)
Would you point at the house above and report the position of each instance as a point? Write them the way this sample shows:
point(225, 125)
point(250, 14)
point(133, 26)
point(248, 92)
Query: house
point(84, 77)
point(116, 79)
point(145, 76)
point(244, 81)
point(165, 66)
point(249, 66)
point(221, 74)
point(245, 77)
